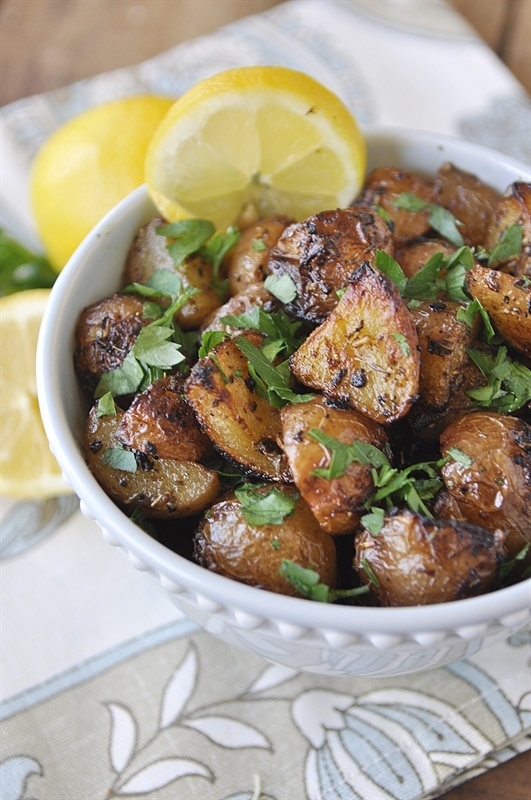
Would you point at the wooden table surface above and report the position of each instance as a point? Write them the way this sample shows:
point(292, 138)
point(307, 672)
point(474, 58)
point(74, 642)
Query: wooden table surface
point(45, 44)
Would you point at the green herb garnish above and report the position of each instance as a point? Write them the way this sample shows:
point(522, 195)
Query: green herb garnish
point(440, 219)
point(20, 269)
point(414, 485)
point(272, 381)
point(307, 582)
point(261, 507)
point(282, 287)
point(510, 244)
point(508, 386)
point(106, 406)
point(119, 458)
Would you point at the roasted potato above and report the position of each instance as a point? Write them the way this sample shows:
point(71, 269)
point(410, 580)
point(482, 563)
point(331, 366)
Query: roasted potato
point(158, 488)
point(443, 342)
point(160, 423)
point(336, 502)
point(513, 209)
point(416, 560)
point(491, 483)
point(251, 553)
point(366, 353)
point(508, 302)
point(384, 186)
point(246, 263)
point(321, 255)
point(242, 424)
point(470, 201)
point(149, 253)
point(255, 295)
point(105, 333)
point(413, 256)
point(427, 423)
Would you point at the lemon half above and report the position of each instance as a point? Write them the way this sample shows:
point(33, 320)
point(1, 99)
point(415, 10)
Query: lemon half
point(269, 139)
point(87, 166)
point(27, 467)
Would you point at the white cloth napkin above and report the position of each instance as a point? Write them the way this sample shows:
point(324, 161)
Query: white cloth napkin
point(106, 688)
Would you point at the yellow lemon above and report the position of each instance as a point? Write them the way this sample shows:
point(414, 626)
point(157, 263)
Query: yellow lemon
point(255, 140)
point(27, 467)
point(87, 166)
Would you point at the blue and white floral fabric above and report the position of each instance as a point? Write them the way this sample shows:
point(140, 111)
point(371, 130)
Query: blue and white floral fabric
point(106, 690)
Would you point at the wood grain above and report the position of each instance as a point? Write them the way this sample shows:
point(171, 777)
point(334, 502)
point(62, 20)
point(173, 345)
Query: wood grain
point(506, 26)
point(45, 44)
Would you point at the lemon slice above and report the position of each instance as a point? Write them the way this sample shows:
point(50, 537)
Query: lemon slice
point(255, 139)
point(27, 467)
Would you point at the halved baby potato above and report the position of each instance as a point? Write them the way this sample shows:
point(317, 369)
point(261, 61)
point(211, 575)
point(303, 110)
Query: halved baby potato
point(241, 423)
point(365, 355)
point(158, 488)
point(336, 501)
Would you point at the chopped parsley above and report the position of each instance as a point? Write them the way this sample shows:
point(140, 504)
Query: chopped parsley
point(119, 458)
point(440, 219)
point(269, 507)
point(414, 485)
point(306, 581)
point(510, 244)
point(272, 381)
point(508, 386)
point(106, 406)
point(282, 287)
point(154, 352)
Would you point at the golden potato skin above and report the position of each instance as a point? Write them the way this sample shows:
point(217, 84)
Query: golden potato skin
point(321, 254)
point(383, 187)
point(494, 491)
point(337, 503)
point(513, 209)
point(252, 296)
point(508, 302)
point(443, 342)
point(366, 353)
point(420, 561)
point(413, 256)
point(470, 200)
point(105, 333)
point(160, 423)
point(247, 262)
point(149, 253)
point(160, 488)
point(243, 426)
point(227, 544)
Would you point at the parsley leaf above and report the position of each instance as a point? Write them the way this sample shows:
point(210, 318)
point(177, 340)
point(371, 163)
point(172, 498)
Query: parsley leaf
point(343, 455)
point(186, 237)
point(275, 324)
point(20, 269)
point(119, 458)
point(468, 313)
point(306, 581)
point(264, 507)
point(508, 386)
point(440, 218)
point(106, 406)
point(282, 287)
point(510, 244)
point(272, 381)
point(390, 267)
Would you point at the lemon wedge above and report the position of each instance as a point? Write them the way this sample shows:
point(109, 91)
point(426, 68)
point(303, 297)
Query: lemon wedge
point(27, 467)
point(254, 141)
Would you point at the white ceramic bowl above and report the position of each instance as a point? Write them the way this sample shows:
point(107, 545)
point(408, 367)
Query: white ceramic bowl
point(334, 640)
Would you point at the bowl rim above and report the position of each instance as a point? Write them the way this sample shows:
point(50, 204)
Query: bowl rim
point(184, 575)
